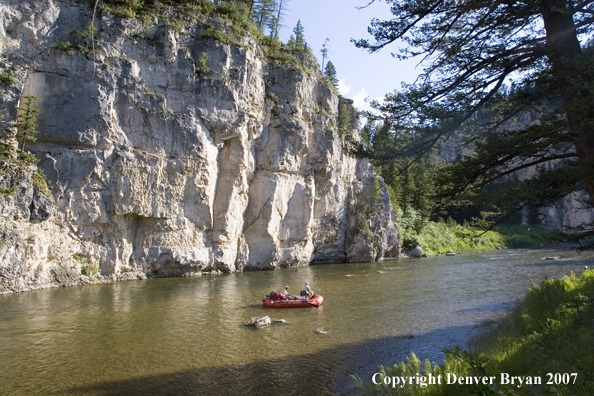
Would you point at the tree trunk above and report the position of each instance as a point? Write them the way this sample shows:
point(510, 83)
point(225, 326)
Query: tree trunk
point(571, 79)
point(251, 8)
point(278, 17)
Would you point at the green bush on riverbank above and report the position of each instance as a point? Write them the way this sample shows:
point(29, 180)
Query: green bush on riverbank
point(551, 331)
point(439, 237)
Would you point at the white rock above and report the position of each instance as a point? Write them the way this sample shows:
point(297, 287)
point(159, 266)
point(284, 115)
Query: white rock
point(159, 173)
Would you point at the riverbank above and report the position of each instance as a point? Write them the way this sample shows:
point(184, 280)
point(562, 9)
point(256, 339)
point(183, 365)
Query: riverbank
point(440, 237)
point(67, 266)
point(546, 339)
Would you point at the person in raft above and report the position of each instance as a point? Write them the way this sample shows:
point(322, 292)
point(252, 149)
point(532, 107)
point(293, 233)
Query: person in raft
point(285, 292)
point(306, 291)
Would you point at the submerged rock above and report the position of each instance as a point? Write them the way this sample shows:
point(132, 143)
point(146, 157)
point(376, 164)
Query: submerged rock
point(259, 322)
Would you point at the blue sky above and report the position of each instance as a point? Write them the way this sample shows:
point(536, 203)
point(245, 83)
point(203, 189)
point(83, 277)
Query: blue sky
point(361, 75)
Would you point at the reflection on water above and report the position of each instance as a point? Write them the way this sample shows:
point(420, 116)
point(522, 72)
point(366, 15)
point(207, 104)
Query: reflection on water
point(184, 335)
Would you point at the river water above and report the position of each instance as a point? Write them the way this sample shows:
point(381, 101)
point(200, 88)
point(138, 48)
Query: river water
point(184, 336)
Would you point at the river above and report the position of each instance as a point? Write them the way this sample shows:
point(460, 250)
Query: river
point(184, 336)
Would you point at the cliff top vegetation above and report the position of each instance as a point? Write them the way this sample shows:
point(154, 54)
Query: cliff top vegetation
point(226, 21)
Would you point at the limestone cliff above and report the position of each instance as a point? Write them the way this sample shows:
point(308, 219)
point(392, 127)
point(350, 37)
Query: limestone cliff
point(163, 165)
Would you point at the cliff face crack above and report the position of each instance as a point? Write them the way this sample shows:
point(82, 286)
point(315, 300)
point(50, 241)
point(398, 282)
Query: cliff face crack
point(61, 74)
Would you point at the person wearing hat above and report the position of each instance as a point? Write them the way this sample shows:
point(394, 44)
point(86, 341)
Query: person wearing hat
point(285, 292)
point(306, 291)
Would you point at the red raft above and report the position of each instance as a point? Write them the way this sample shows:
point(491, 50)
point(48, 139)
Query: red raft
point(314, 301)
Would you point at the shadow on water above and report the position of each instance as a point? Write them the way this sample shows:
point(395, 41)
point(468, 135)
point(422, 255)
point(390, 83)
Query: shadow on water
point(502, 306)
point(556, 263)
point(328, 371)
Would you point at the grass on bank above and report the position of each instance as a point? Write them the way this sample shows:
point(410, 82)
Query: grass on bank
point(439, 237)
point(551, 331)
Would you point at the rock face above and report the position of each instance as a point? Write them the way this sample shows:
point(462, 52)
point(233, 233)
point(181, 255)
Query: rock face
point(163, 169)
point(571, 213)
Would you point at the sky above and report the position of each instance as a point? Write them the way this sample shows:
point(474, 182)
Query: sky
point(361, 75)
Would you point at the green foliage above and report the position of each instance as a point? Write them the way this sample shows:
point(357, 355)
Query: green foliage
point(17, 164)
point(27, 121)
point(69, 47)
point(40, 180)
point(549, 332)
point(299, 34)
point(321, 111)
point(439, 237)
point(413, 186)
point(225, 21)
point(472, 48)
point(219, 35)
point(522, 236)
point(65, 46)
point(123, 8)
point(8, 78)
point(88, 33)
point(458, 362)
point(87, 268)
point(202, 68)
point(365, 230)
point(287, 55)
point(519, 241)
point(330, 73)
point(377, 193)
point(345, 120)
point(273, 97)
point(325, 51)
point(263, 14)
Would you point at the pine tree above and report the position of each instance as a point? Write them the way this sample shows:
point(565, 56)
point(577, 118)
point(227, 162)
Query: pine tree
point(262, 13)
point(474, 47)
point(279, 17)
point(330, 72)
point(27, 121)
point(406, 192)
point(299, 34)
point(325, 51)
point(272, 25)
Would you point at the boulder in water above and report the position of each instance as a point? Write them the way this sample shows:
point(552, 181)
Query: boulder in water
point(416, 252)
point(259, 322)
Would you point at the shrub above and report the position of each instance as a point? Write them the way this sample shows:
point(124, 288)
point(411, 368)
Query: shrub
point(202, 68)
point(8, 78)
point(273, 97)
point(519, 241)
